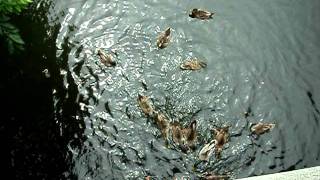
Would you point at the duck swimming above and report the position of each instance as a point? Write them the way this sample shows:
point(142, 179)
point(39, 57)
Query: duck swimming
point(201, 14)
point(145, 106)
point(163, 125)
point(206, 152)
point(184, 137)
point(193, 64)
point(261, 128)
point(221, 137)
point(106, 59)
point(164, 39)
point(216, 145)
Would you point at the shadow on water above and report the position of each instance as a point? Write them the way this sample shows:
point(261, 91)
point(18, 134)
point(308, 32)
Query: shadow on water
point(41, 124)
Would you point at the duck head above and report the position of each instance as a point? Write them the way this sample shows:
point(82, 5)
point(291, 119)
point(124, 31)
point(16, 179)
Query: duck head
point(164, 39)
point(167, 32)
point(193, 13)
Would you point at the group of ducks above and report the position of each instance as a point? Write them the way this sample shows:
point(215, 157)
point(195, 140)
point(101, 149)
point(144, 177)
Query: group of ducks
point(185, 137)
point(163, 41)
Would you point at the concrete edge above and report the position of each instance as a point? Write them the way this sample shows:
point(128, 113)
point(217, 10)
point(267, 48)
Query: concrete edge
point(312, 173)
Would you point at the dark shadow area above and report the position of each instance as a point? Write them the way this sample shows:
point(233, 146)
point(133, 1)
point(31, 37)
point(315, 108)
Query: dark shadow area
point(40, 125)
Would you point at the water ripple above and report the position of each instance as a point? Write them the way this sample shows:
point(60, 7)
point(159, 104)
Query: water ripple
point(258, 61)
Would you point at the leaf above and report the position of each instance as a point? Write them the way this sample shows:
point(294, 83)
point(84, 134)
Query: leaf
point(4, 19)
point(16, 38)
point(8, 26)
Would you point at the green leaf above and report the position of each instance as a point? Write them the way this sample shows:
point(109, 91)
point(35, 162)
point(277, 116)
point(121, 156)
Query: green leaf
point(4, 19)
point(8, 26)
point(16, 38)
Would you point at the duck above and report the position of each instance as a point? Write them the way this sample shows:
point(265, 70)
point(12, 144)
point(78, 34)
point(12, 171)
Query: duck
point(145, 106)
point(261, 128)
point(221, 137)
point(184, 137)
point(201, 14)
point(163, 124)
point(193, 64)
point(207, 150)
point(164, 39)
point(106, 59)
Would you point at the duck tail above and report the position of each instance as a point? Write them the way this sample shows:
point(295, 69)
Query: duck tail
point(211, 15)
point(203, 64)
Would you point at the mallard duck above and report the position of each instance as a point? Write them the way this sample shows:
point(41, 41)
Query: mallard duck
point(145, 106)
point(193, 64)
point(184, 137)
point(221, 137)
point(261, 128)
point(207, 150)
point(201, 14)
point(164, 39)
point(163, 124)
point(106, 59)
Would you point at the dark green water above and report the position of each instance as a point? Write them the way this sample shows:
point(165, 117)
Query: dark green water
point(262, 56)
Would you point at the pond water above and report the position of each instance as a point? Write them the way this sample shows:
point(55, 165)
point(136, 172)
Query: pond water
point(262, 57)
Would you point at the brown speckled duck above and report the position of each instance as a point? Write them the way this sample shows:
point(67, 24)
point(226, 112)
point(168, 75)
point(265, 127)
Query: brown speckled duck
point(164, 38)
point(207, 150)
point(201, 14)
point(184, 137)
point(145, 105)
point(106, 59)
point(163, 124)
point(261, 128)
point(221, 137)
point(193, 64)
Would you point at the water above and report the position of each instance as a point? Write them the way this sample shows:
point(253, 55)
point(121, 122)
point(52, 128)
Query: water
point(262, 57)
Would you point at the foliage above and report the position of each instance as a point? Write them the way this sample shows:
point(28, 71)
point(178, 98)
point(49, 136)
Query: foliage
point(13, 6)
point(8, 32)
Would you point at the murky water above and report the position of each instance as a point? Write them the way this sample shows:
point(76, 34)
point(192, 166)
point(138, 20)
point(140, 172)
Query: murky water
point(262, 56)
